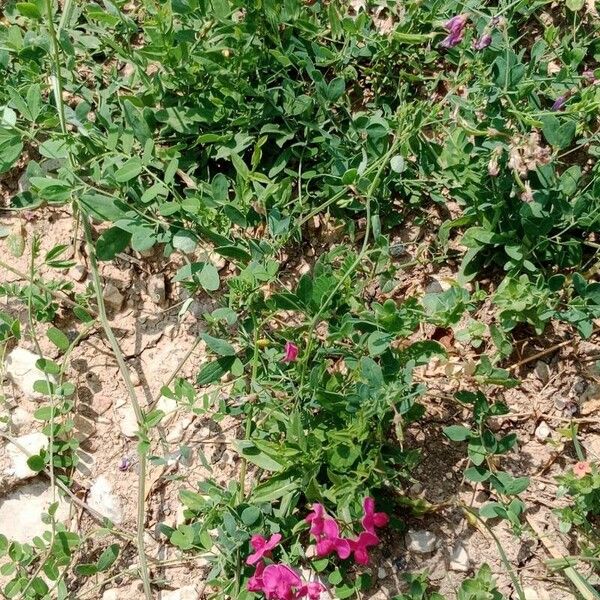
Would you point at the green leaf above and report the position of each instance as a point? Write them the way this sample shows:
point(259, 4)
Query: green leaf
point(130, 169)
point(58, 338)
point(209, 278)
point(251, 453)
point(250, 515)
point(218, 346)
point(86, 569)
point(556, 134)
point(103, 208)
point(378, 342)
point(457, 433)
point(275, 487)
point(575, 5)
point(108, 557)
point(36, 463)
point(29, 10)
point(185, 241)
point(214, 370)
point(112, 242)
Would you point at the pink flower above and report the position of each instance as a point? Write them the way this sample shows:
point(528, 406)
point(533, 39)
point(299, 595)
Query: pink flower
point(255, 583)
point(360, 545)
point(262, 547)
point(581, 469)
point(316, 519)
point(560, 102)
point(331, 541)
point(313, 590)
point(291, 352)
point(372, 519)
point(279, 581)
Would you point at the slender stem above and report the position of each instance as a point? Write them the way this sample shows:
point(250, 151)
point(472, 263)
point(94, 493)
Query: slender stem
point(141, 500)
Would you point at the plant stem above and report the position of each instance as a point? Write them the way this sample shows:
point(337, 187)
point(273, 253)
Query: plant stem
point(141, 513)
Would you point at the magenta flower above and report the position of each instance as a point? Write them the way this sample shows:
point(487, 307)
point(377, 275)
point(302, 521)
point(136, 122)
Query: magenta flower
point(331, 541)
point(291, 352)
point(456, 31)
point(360, 546)
point(316, 519)
point(372, 519)
point(483, 42)
point(255, 583)
point(313, 590)
point(262, 547)
point(279, 581)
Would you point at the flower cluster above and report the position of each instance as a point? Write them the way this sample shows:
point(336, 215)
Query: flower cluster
point(326, 532)
point(456, 27)
point(279, 581)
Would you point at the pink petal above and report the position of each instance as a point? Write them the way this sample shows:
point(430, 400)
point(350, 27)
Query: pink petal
point(330, 528)
point(258, 541)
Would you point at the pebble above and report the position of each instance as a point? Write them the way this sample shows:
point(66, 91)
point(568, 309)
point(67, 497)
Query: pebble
point(78, 272)
point(436, 286)
point(113, 297)
point(31, 444)
point(101, 403)
point(543, 431)
point(157, 289)
point(127, 421)
point(381, 573)
point(530, 594)
point(542, 371)
point(29, 502)
point(178, 431)
point(459, 561)
point(20, 367)
point(167, 405)
point(134, 377)
point(189, 592)
point(20, 418)
point(102, 499)
point(421, 541)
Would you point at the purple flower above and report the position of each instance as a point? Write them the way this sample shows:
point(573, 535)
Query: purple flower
point(456, 31)
point(560, 102)
point(483, 42)
point(125, 463)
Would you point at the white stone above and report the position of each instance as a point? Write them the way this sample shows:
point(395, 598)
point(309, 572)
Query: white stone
point(459, 561)
point(102, 500)
point(189, 592)
point(24, 447)
point(20, 418)
point(167, 405)
point(21, 369)
point(21, 511)
point(112, 594)
point(421, 541)
point(176, 434)
point(530, 593)
point(156, 289)
point(128, 421)
point(542, 431)
point(78, 272)
point(381, 573)
point(542, 371)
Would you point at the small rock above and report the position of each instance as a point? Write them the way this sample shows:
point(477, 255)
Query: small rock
point(20, 418)
point(112, 594)
point(437, 286)
point(542, 431)
point(189, 592)
point(167, 405)
point(128, 421)
point(101, 403)
point(135, 378)
point(542, 371)
point(21, 511)
point(421, 541)
point(178, 431)
point(530, 593)
point(102, 500)
point(24, 447)
point(113, 297)
point(20, 367)
point(78, 272)
point(157, 289)
point(381, 573)
point(459, 561)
